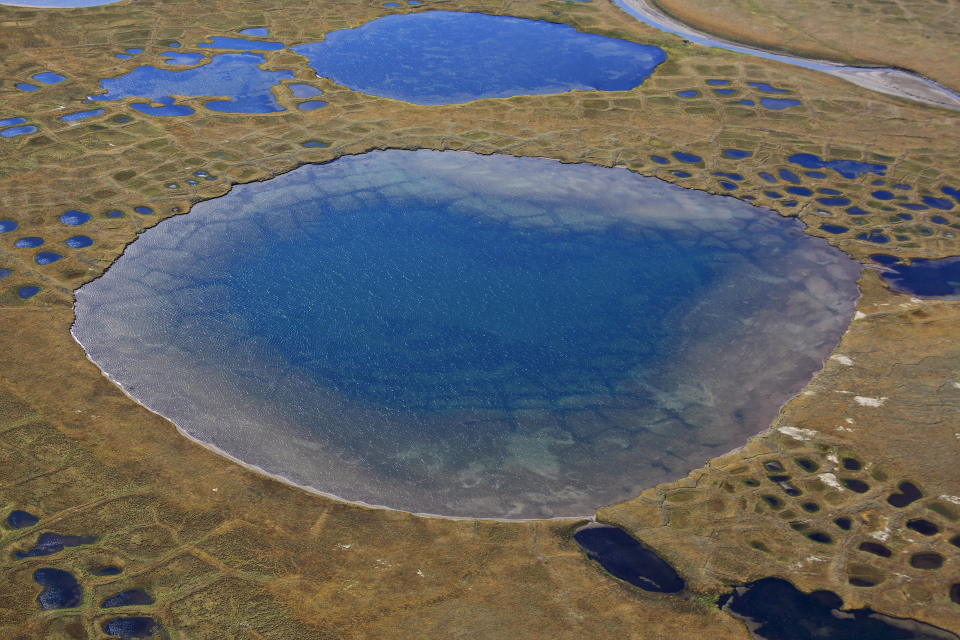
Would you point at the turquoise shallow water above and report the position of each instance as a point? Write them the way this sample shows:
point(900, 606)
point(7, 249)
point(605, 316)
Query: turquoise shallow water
point(469, 335)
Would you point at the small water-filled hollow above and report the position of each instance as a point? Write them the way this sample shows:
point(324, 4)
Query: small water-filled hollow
point(60, 589)
point(469, 335)
point(624, 557)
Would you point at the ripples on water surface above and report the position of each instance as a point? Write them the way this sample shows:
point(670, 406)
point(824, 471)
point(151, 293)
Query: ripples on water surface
point(469, 335)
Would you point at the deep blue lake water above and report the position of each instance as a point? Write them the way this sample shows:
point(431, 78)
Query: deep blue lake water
point(469, 335)
point(445, 57)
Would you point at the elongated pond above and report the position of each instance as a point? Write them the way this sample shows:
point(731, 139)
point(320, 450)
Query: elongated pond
point(469, 335)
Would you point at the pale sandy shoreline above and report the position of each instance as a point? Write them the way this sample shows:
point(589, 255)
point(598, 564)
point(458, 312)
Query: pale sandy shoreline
point(250, 467)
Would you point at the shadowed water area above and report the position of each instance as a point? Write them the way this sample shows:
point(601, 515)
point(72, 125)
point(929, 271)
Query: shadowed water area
point(469, 335)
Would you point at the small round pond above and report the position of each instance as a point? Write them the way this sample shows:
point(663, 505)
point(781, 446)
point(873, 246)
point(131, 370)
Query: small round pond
point(469, 335)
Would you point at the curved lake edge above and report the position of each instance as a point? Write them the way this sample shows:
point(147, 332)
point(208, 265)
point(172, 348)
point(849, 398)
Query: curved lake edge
point(770, 429)
point(897, 83)
point(308, 489)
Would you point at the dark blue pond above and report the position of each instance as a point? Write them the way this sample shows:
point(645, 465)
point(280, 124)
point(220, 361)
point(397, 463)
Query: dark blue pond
point(27, 292)
point(5, 273)
point(799, 191)
point(772, 194)
point(49, 543)
point(777, 610)
point(724, 92)
point(846, 168)
point(13, 132)
point(882, 195)
point(729, 186)
point(923, 278)
point(778, 105)
point(763, 86)
point(235, 75)
point(833, 228)
point(442, 57)
point(873, 236)
point(26, 87)
point(937, 203)
point(767, 177)
point(689, 158)
point(687, 94)
point(60, 589)
point(9, 122)
point(447, 325)
point(48, 78)
point(115, 214)
point(132, 597)
point(789, 176)
point(74, 218)
point(304, 90)
point(718, 82)
point(748, 103)
point(31, 242)
point(256, 32)
point(834, 202)
point(79, 242)
point(182, 59)
point(239, 44)
point(315, 143)
point(659, 159)
point(80, 115)
point(21, 519)
point(310, 105)
point(624, 557)
point(130, 628)
point(681, 174)
point(736, 154)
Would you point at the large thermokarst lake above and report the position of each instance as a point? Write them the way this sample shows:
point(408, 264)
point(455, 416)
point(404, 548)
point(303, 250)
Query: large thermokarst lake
point(466, 335)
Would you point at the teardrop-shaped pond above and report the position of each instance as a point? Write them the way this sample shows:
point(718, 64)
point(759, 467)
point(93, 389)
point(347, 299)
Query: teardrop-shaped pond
point(469, 335)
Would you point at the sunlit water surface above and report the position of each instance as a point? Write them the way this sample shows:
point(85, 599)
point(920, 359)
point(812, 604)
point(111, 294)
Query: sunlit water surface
point(469, 335)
